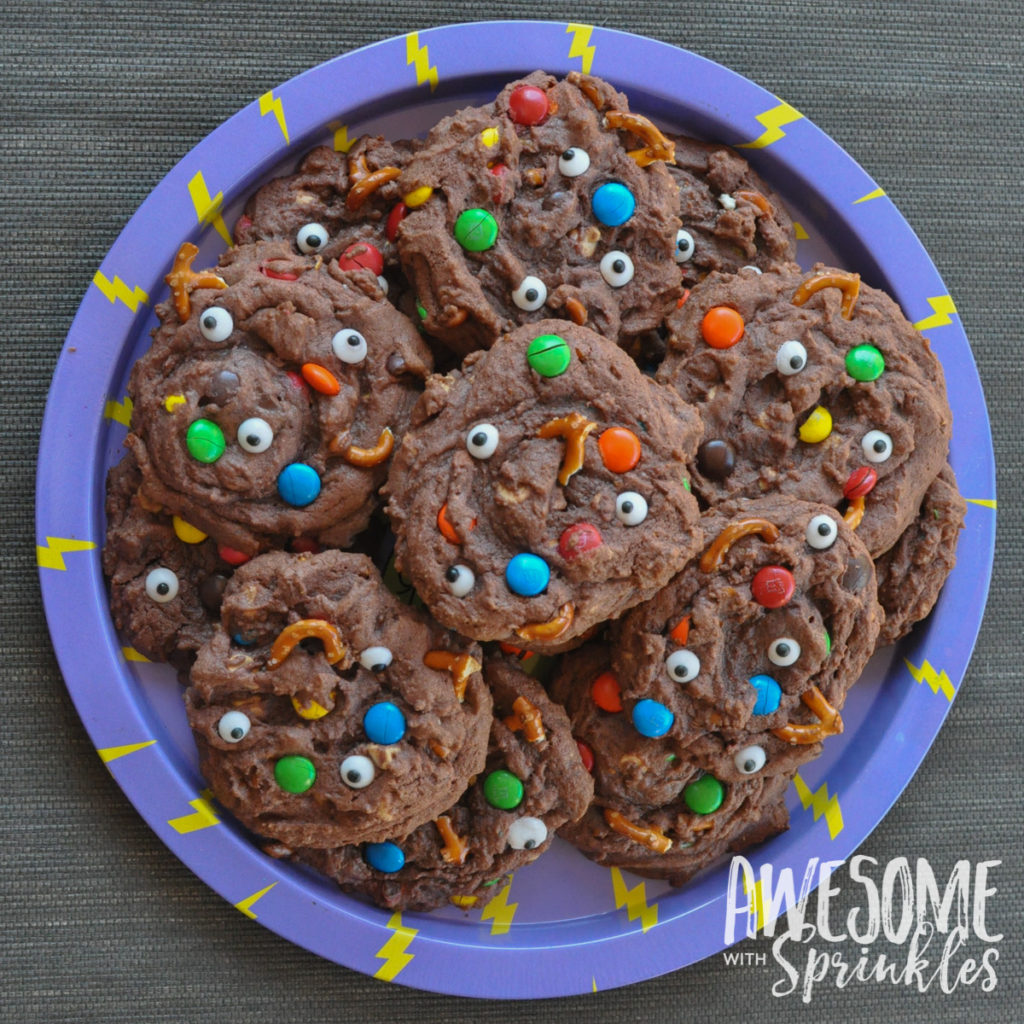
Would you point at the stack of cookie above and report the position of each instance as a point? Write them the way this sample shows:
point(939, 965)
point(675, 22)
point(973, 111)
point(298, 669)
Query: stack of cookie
point(554, 379)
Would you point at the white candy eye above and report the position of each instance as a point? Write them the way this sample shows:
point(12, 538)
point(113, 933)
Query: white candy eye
point(527, 833)
point(616, 268)
point(460, 579)
point(233, 726)
point(630, 508)
point(311, 238)
point(255, 435)
point(531, 294)
point(685, 246)
point(574, 162)
point(822, 532)
point(215, 323)
point(877, 446)
point(357, 772)
point(349, 346)
point(750, 760)
point(791, 358)
point(783, 651)
point(383, 282)
point(162, 585)
point(682, 666)
point(376, 659)
point(482, 441)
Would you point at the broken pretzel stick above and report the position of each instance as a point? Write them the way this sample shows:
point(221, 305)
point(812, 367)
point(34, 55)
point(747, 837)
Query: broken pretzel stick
point(183, 280)
point(461, 666)
point(755, 199)
point(527, 716)
point(658, 146)
point(848, 284)
point(829, 723)
point(455, 847)
point(552, 628)
point(854, 513)
point(367, 457)
point(292, 635)
point(715, 555)
point(574, 428)
point(654, 839)
point(365, 187)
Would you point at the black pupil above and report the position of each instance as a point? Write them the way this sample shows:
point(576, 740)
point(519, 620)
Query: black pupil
point(619, 266)
point(529, 844)
point(479, 439)
point(209, 322)
point(569, 154)
point(796, 362)
point(237, 733)
point(879, 446)
point(163, 588)
point(313, 241)
point(379, 667)
point(452, 574)
point(531, 295)
point(824, 529)
point(782, 650)
point(750, 765)
point(253, 440)
point(353, 340)
point(353, 775)
point(627, 507)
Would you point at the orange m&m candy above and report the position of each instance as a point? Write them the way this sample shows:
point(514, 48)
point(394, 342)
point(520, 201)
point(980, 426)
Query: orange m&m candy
point(722, 327)
point(620, 449)
point(606, 693)
point(319, 378)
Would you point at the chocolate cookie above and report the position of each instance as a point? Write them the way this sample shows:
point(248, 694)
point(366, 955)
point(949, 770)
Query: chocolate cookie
point(269, 404)
point(326, 712)
point(660, 808)
point(815, 386)
point(166, 578)
point(542, 489)
point(551, 201)
point(731, 217)
point(534, 782)
point(335, 205)
point(767, 630)
point(912, 572)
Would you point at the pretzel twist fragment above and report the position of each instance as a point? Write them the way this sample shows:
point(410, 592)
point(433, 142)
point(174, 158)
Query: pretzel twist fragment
point(183, 280)
point(658, 148)
point(714, 556)
point(854, 512)
point(294, 633)
point(455, 847)
point(653, 838)
point(526, 716)
point(829, 722)
point(367, 457)
point(574, 428)
point(552, 628)
point(461, 666)
point(847, 283)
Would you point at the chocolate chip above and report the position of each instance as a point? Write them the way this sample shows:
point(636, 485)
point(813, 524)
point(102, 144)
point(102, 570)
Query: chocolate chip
point(858, 572)
point(396, 365)
point(222, 388)
point(716, 459)
point(211, 592)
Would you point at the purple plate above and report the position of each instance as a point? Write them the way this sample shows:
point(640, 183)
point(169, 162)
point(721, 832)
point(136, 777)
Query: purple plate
point(563, 925)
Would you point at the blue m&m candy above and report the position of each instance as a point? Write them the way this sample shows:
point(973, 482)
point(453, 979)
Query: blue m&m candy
point(384, 723)
point(769, 694)
point(613, 204)
point(527, 575)
point(652, 719)
point(384, 857)
point(298, 484)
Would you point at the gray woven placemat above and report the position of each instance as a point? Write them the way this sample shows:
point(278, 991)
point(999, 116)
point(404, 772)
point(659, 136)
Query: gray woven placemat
point(99, 921)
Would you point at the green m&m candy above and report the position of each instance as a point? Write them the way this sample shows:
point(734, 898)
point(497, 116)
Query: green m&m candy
point(704, 795)
point(503, 790)
point(865, 363)
point(205, 441)
point(294, 773)
point(549, 355)
point(476, 230)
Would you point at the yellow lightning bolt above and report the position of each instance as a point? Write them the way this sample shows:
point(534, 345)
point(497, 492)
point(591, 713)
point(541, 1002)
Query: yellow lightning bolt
point(202, 816)
point(393, 952)
point(51, 554)
point(580, 46)
point(130, 654)
point(800, 232)
point(500, 910)
point(821, 803)
point(117, 290)
point(942, 306)
point(342, 143)
point(245, 906)
point(207, 208)
point(634, 900)
point(271, 104)
point(119, 412)
point(984, 502)
point(108, 754)
point(418, 56)
point(874, 194)
point(772, 121)
point(936, 680)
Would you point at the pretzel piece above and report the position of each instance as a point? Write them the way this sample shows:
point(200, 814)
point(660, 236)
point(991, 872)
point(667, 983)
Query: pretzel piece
point(367, 457)
point(829, 722)
point(574, 428)
point(551, 629)
point(461, 666)
point(183, 280)
point(755, 199)
point(854, 513)
point(658, 146)
point(653, 838)
point(364, 181)
point(526, 716)
point(714, 556)
point(455, 847)
point(848, 284)
point(292, 635)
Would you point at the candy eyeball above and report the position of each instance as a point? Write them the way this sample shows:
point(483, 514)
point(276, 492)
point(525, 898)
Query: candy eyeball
point(791, 358)
point(527, 833)
point(357, 771)
point(750, 760)
point(255, 435)
point(482, 441)
point(822, 532)
point(349, 346)
point(376, 659)
point(783, 651)
point(233, 726)
point(460, 580)
point(616, 268)
point(531, 294)
point(877, 446)
point(574, 162)
point(685, 246)
point(630, 508)
point(311, 238)
point(682, 666)
point(216, 323)
point(162, 585)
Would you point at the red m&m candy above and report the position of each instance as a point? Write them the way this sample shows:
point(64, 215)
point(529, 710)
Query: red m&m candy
point(362, 256)
point(528, 105)
point(861, 482)
point(773, 586)
point(578, 539)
